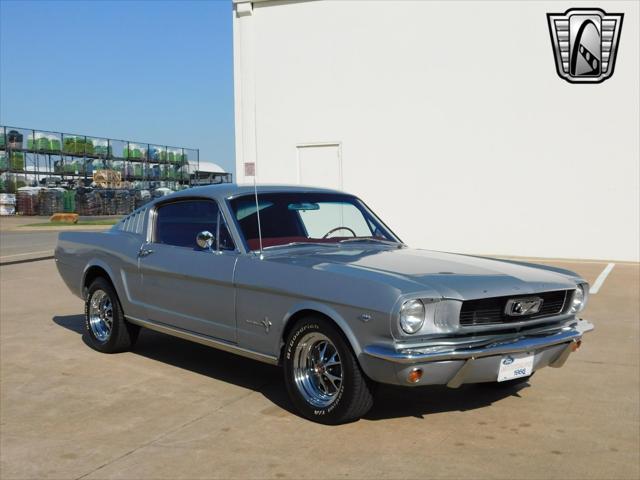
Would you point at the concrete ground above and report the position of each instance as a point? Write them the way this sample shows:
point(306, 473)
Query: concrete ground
point(19, 242)
point(172, 409)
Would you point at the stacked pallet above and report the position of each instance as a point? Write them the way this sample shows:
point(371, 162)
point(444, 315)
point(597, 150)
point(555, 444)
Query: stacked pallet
point(7, 204)
point(87, 202)
point(124, 202)
point(141, 197)
point(107, 179)
point(27, 200)
point(50, 201)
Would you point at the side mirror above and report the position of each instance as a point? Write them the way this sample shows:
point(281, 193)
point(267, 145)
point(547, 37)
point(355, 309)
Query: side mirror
point(205, 240)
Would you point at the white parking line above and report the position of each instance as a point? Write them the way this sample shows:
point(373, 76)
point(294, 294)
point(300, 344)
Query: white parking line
point(601, 278)
point(26, 253)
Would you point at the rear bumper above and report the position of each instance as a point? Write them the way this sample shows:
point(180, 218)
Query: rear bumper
point(461, 361)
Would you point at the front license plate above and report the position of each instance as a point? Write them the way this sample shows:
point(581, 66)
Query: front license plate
point(516, 365)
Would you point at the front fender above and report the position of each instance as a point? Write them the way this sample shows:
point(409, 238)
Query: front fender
point(332, 313)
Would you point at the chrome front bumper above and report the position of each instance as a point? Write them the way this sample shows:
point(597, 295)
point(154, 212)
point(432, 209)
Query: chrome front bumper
point(459, 361)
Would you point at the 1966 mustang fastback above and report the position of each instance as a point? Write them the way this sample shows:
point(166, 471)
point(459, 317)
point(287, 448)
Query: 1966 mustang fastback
point(312, 280)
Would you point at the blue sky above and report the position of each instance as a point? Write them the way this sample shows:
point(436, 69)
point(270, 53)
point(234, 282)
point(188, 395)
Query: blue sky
point(151, 71)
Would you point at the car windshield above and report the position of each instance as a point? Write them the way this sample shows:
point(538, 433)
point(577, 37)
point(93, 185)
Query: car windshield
point(307, 217)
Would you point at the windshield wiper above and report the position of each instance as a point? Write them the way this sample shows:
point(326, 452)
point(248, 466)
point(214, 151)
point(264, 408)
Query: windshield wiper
point(370, 239)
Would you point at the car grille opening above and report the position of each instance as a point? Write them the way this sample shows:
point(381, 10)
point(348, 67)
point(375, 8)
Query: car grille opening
point(488, 311)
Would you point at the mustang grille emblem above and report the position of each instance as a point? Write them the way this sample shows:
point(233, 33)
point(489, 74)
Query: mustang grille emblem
point(585, 43)
point(517, 307)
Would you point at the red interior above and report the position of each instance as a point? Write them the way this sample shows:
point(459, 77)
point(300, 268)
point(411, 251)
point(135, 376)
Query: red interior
point(254, 243)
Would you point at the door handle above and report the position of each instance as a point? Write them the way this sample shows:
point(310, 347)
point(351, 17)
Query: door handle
point(143, 252)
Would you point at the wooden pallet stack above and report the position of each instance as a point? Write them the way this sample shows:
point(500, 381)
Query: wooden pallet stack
point(107, 179)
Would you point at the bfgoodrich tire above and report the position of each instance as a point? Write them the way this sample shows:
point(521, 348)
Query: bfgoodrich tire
point(106, 329)
point(322, 376)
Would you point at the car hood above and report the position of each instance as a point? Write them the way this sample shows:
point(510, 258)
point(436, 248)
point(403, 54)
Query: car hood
point(430, 272)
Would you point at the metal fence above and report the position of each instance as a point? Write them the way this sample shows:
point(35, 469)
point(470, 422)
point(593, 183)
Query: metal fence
point(31, 157)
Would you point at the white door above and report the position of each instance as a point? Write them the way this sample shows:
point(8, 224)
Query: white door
point(320, 165)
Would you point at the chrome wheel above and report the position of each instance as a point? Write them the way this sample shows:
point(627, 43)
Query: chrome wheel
point(101, 315)
point(317, 369)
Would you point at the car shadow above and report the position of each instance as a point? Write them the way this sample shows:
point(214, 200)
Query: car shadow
point(390, 401)
point(395, 402)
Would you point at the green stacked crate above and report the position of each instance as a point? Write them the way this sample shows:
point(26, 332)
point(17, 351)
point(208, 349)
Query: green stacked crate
point(54, 144)
point(31, 144)
point(16, 161)
point(88, 147)
point(74, 145)
point(69, 145)
point(80, 146)
point(102, 150)
point(171, 157)
point(43, 144)
point(3, 142)
point(10, 184)
point(69, 201)
point(137, 170)
point(132, 152)
point(4, 162)
point(163, 155)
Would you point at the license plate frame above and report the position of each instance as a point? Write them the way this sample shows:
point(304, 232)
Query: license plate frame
point(515, 365)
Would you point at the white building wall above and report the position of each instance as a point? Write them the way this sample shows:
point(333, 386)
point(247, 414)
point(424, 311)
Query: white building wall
point(450, 121)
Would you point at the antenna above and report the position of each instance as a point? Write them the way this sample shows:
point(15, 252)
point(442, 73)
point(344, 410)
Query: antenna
point(255, 167)
point(255, 192)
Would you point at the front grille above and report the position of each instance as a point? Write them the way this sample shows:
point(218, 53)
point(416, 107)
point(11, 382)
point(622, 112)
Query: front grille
point(487, 311)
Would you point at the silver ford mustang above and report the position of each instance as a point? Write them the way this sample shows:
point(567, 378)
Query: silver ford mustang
point(312, 280)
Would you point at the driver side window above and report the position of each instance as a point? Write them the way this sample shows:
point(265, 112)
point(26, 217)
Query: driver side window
point(178, 223)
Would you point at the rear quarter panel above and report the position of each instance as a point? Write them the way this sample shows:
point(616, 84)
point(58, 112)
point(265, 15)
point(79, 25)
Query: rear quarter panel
point(114, 251)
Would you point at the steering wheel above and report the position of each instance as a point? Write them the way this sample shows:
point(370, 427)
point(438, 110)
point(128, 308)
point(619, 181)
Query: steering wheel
point(326, 235)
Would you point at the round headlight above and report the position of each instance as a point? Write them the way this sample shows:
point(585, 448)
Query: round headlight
point(412, 316)
point(577, 302)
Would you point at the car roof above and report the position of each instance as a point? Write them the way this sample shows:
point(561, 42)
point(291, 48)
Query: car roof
point(230, 190)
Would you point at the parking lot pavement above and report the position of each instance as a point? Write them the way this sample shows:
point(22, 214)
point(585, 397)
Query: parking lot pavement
point(173, 409)
point(19, 242)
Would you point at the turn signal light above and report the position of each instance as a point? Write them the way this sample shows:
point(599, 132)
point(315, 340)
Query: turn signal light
point(576, 345)
point(415, 375)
